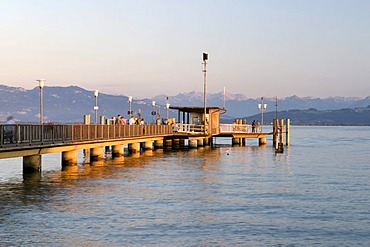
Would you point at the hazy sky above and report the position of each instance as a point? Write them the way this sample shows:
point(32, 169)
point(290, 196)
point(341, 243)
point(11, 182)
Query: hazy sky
point(317, 48)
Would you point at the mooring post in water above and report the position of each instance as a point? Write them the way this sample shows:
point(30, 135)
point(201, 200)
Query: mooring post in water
point(275, 133)
point(287, 132)
point(280, 148)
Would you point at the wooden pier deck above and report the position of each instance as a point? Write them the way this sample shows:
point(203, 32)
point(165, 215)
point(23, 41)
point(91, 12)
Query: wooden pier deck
point(30, 141)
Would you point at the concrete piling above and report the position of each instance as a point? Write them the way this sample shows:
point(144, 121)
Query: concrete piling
point(193, 143)
point(158, 144)
point(148, 145)
point(32, 163)
point(117, 150)
point(69, 158)
point(200, 143)
point(261, 141)
point(135, 147)
point(235, 141)
point(96, 154)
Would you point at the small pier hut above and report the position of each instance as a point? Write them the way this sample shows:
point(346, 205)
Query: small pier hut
point(191, 120)
point(191, 123)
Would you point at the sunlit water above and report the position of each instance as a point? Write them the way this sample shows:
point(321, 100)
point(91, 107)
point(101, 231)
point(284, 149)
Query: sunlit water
point(315, 194)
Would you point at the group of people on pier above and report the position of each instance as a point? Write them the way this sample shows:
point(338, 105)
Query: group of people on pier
point(121, 120)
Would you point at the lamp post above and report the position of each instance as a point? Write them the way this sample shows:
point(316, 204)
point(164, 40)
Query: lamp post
point(153, 112)
point(167, 107)
point(262, 107)
point(205, 59)
point(96, 107)
point(41, 86)
point(130, 103)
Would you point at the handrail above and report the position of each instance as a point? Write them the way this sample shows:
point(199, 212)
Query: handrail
point(189, 128)
point(237, 128)
point(36, 134)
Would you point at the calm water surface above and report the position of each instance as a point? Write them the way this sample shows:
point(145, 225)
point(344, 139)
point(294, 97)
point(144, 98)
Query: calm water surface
point(315, 194)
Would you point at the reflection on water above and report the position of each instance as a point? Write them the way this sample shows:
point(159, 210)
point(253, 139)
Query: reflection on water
point(225, 196)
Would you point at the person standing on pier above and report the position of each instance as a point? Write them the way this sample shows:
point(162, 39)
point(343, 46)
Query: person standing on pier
point(131, 121)
point(257, 126)
point(123, 120)
point(9, 130)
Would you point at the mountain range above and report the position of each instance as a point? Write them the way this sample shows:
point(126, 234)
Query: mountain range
point(69, 104)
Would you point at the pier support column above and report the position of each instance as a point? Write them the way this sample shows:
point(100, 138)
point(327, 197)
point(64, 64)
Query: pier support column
point(32, 163)
point(135, 147)
point(206, 141)
point(235, 141)
point(117, 151)
point(168, 144)
point(243, 141)
point(176, 143)
point(262, 141)
point(158, 144)
point(182, 143)
point(200, 142)
point(193, 144)
point(69, 158)
point(96, 154)
point(148, 145)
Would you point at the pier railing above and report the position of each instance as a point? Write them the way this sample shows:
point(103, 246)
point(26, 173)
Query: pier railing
point(223, 128)
point(35, 134)
point(190, 128)
point(236, 128)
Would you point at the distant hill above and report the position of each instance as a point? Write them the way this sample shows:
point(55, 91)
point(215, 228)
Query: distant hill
point(69, 104)
point(312, 116)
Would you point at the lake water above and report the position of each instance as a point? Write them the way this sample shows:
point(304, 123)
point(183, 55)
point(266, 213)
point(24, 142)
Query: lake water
point(317, 193)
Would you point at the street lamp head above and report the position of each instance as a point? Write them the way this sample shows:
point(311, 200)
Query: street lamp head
point(264, 106)
point(41, 83)
point(96, 93)
point(167, 106)
point(259, 106)
point(205, 56)
point(153, 103)
point(130, 99)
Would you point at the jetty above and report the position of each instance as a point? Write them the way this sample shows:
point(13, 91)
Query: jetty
point(191, 129)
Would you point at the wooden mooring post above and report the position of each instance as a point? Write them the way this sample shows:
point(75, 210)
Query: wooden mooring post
point(278, 131)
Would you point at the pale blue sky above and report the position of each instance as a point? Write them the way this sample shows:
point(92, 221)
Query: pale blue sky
point(317, 48)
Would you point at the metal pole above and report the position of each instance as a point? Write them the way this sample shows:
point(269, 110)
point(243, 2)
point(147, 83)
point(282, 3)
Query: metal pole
point(41, 103)
point(96, 93)
point(96, 110)
point(130, 103)
point(41, 86)
point(262, 116)
point(153, 112)
point(276, 105)
point(205, 58)
point(167, 106)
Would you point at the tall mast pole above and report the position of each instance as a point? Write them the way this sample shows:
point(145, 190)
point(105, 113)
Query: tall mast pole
point(205, 58)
